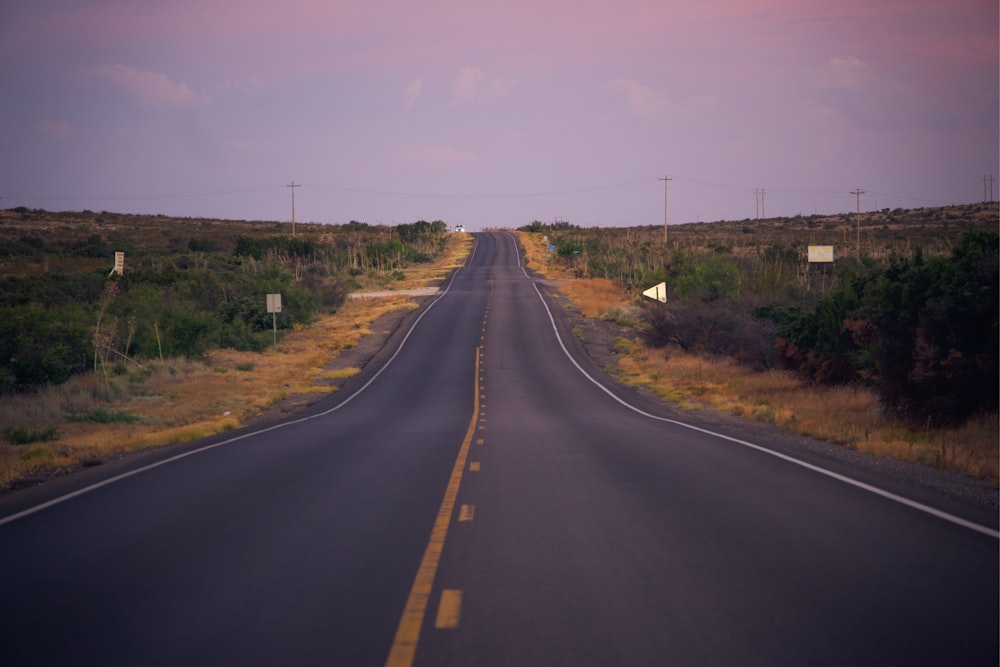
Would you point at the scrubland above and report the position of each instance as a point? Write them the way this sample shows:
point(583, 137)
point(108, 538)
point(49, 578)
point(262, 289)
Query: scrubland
point(146, 402)
point(849, 413)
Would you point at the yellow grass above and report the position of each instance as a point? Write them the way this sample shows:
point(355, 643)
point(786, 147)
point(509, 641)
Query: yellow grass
point(847, 416)
point(182, 400)
point(596, 297)
point(843, 415)
point(536, 257)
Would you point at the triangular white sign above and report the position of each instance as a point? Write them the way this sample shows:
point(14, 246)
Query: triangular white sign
point(658, 292)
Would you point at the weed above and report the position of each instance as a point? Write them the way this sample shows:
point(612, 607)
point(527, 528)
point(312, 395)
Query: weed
point(26, 436)
point(622, 345)
point(36, 454)
point(104, 416)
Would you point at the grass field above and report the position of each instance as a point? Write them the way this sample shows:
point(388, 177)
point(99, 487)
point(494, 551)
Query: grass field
point(87, 419)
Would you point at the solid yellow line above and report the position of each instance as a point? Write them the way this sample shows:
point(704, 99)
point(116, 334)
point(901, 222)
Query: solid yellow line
point(404, 646)
point(449, 610)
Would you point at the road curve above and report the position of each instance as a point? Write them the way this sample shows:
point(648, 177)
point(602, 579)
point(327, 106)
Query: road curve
point(484, 501)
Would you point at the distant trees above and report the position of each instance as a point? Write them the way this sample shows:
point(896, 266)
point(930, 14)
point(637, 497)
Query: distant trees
point(924, 332)
point(179, 296)
point(921, 329)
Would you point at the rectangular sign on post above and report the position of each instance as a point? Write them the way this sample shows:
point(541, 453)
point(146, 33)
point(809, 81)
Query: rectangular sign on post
point(821, 253)
point(274, 307)
point(274, 303)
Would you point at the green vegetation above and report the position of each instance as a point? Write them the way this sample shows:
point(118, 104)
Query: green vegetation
point(27, 436)
point(189, 286)
point(922, 331)
point(909, 309)
point(102, 415)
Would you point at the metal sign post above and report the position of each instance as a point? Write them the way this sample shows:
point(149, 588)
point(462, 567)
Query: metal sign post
point(274, 307)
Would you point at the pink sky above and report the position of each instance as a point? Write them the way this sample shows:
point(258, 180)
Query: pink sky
point(497, 114)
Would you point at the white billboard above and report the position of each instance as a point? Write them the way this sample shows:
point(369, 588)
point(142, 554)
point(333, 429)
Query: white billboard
point(821, 253)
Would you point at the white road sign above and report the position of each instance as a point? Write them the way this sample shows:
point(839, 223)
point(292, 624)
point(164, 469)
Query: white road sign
point(658, 292)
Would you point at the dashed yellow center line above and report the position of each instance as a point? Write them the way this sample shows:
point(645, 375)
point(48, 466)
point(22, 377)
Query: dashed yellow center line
point(466, 512)
point(475, 466)
point(404, 645)
point(449, 609)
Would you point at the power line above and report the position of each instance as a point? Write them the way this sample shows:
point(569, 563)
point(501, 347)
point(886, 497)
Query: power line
point(988, 179)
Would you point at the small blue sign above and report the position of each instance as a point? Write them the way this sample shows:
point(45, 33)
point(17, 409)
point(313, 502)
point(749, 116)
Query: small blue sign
point(551, 248)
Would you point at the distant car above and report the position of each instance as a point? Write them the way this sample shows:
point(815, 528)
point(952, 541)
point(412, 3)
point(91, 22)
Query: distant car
point(459, 228)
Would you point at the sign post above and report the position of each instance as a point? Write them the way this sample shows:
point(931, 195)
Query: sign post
point(119, 264)
point(274, 307)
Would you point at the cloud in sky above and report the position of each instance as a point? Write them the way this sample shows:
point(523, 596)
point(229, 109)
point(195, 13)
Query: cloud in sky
point(55, 129)
point(150, 88)
point(472, 86)
point(646, 102)
point(412, 92)
point(842, 74)
point(552, 96)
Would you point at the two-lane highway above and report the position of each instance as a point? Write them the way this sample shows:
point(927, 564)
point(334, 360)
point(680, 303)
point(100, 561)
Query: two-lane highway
point(483, 501)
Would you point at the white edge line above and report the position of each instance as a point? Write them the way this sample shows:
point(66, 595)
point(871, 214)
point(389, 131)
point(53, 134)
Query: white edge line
point(178, 457)
point(823, 471)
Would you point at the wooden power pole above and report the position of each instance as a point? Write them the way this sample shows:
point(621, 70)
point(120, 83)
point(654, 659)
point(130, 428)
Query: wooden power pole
point(293, 185)
point(666, 180)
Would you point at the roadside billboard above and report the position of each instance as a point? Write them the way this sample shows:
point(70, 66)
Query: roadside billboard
point(821, 253)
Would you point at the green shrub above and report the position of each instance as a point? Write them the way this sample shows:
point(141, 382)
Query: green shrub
point(25, 436)
point(104, 416)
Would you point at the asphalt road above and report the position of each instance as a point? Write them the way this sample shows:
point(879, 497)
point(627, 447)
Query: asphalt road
point(482, 496)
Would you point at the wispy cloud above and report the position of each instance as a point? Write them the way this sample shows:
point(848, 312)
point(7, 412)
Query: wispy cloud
point(841, 74)
point(646, 102)
point(412, 92)
point(55, 129)
point(473, 86)
point(421, 154)
point(151, 88)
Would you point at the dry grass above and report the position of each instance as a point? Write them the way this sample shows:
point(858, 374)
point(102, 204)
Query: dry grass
point(536, 257)
point(596, 297)
point(848, 416)
point(843, 415)
point(182, 400)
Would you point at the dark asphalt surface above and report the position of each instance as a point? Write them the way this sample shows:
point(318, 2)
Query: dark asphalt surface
point(592, 535)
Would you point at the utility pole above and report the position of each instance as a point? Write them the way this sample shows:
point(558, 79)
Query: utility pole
point(666, 180)
point(988, 187)
point(857, 193)
point(293, 185)
point(758, 194)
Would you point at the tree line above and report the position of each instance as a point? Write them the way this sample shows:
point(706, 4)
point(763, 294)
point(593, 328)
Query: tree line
point(913, 315)
point(188, 287)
